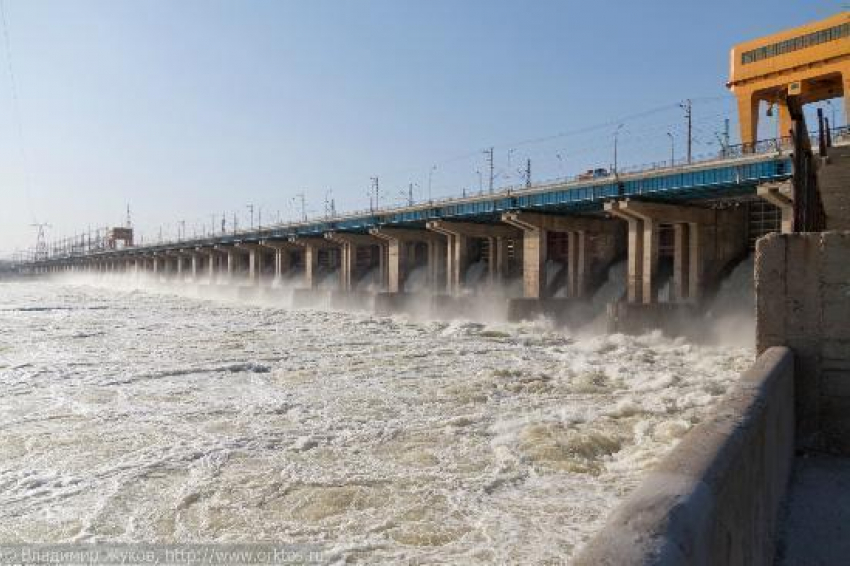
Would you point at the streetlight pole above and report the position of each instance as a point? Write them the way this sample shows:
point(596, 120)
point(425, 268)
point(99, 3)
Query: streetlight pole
point(616, 143)
point(672, 150)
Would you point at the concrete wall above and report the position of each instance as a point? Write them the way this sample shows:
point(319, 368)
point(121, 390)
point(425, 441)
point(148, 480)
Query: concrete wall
point(715, 498)
point(803, 299)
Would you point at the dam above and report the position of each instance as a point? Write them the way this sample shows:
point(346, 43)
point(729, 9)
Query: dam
point(529, 375)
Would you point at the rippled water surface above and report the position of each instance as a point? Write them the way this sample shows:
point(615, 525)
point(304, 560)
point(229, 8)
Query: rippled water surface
point(140, 416)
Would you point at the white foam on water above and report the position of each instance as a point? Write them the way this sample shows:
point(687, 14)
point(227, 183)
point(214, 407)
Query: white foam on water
point(129, 415)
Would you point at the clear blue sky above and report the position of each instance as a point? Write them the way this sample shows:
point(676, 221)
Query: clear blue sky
point(193, 107)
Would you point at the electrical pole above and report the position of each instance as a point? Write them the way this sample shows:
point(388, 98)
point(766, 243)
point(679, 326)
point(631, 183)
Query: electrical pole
point(528, 173)
point(40, 244)
point(688, 108)
point(490, 163)
point(616, 143)
point(251, 210)
point(672, 150)
point(303, 199)
point(410, 194)
point(223, 222)
point(430, 178)
point(235, 226)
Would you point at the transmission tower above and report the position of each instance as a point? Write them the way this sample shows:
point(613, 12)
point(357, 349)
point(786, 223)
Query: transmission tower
point(376, 191)
point(302, 197)
point(491, 165)
point(40, 243)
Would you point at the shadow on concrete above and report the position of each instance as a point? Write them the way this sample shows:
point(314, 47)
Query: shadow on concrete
point(815, 527)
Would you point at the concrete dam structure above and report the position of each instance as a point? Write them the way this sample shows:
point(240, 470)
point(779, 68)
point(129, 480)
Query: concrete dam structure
point(683, 228)
point(744, 486)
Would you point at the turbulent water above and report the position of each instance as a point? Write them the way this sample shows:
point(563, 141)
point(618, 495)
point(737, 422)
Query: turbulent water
point(129, 415)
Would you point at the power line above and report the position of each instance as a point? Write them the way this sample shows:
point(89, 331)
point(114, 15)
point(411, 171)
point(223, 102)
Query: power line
point(13, 83)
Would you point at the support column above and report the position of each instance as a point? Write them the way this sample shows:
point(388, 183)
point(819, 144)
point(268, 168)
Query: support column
point(688, 259)
point(681, 261)
point(534, 254)
point(785, 122)
point(232, 258)
point(635, 260)
point(845, 79)
point(255, 261)
point(651, 230)
point(695, 262)
point(212, 256)
point(501, 260)
point(255, 266)
point(578, 261)
point(748, 117)
point(459, 253)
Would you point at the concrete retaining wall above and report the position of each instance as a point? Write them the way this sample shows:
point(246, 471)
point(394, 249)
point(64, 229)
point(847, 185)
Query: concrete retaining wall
point(715, 498)
point(803, 297)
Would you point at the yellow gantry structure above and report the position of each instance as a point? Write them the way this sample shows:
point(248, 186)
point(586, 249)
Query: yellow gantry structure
point(810, 61)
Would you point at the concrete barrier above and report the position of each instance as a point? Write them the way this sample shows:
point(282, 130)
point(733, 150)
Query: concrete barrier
point(715, 499)
point(802, 290)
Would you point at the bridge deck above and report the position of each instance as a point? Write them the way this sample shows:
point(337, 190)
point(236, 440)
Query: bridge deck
point(720, 179)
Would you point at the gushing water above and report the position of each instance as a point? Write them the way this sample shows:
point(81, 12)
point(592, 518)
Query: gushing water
point(128, 415)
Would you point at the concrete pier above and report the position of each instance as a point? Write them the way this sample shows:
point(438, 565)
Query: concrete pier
point(591, 246)
point(360, 255)
point(407, 250)
point(705, 242)
point(321, 256)
point(459, 239)
point(288, 258)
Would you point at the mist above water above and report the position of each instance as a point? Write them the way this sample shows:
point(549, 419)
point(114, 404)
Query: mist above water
point(731, 317)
